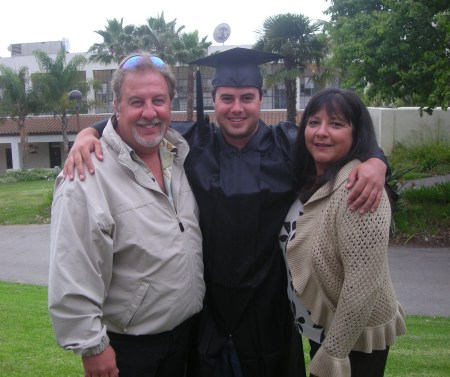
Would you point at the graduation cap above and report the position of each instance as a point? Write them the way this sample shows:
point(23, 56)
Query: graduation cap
point(237, 67)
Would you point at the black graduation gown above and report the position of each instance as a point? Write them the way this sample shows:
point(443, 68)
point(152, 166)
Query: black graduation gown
point(244, 196)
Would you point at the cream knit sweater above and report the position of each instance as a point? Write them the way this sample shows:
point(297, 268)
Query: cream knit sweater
point(339, 267)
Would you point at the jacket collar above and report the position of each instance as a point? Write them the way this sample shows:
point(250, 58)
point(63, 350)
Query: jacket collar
point(118, 145)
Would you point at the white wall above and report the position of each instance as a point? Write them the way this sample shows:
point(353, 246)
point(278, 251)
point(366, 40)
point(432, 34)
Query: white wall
point(405, 124)
point(40, 159)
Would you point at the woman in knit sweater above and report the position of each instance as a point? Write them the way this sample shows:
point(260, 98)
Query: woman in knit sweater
point(338, 258)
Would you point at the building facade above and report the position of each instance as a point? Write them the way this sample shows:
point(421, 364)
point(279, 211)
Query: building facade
point(49, 140)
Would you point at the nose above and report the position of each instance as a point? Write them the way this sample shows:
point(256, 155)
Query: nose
point(322, 129)
point(236, 106)
point(148, 111)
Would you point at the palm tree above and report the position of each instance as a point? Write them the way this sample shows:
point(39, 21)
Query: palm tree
point(188, 48)
point(118, 42)
point(296, 38)
point(56, 79)
point(159, 37)
point(18, 101)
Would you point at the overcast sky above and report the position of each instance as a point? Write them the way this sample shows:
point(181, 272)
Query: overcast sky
point(30, 21)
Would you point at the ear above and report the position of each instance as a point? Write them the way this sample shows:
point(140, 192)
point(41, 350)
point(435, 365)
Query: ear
point(116, 109)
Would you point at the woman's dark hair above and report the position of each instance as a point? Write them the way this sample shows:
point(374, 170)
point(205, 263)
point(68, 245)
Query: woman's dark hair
point(348, 106)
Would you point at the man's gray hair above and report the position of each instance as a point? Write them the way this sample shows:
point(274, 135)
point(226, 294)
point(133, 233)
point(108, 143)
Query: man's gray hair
point(143, 63)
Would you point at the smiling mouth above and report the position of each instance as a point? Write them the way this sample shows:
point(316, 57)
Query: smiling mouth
point(148, 126)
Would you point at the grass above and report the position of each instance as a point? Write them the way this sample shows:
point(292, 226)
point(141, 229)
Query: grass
point(28, 347)
point(25, 202)
point(423, 351)
point(27, 344)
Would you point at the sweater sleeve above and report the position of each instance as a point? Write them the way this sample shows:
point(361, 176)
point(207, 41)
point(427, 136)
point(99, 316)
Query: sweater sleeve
point(326, 365)
point(362, 248)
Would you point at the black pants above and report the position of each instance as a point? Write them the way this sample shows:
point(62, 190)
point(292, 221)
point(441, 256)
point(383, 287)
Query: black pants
point(362, 364)
point(158, 355)
point(286, 362)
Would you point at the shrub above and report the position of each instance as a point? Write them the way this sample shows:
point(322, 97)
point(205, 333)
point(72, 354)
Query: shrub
point(21, 175)
point(428, 152)
point(423, 209)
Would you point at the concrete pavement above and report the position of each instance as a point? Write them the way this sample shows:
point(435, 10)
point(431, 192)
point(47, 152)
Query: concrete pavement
point(421, 276)
point(24, 253)
point(431, 181)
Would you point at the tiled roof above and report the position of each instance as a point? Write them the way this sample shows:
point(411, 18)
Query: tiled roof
point(49, 125)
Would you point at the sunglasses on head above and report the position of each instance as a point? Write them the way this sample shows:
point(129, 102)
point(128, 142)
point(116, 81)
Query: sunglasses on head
point(133, 61)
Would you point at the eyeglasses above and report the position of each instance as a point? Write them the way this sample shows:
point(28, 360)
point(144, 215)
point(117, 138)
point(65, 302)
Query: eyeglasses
point(133, 61)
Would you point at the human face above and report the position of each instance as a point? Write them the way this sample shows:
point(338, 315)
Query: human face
point(237, 113)
point(328, 139)
point(143, 113)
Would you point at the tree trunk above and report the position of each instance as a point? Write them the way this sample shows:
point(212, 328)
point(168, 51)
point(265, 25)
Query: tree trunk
point(291, 99)
point(190, 93)
point(23, 142)
point(65, 150)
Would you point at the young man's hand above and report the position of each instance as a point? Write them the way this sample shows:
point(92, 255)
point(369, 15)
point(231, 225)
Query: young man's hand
point(366, 181)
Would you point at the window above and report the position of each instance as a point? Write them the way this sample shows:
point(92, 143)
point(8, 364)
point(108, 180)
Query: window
point(104, 94)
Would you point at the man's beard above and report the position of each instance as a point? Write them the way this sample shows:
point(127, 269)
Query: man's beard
point(149, 143)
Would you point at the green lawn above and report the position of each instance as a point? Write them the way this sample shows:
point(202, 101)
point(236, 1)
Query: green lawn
point(27, 344)
point(25, 202)
point(423, 351)
point(28, 347)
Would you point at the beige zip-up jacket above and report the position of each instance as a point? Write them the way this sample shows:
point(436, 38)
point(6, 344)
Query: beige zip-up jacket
point(123, 258)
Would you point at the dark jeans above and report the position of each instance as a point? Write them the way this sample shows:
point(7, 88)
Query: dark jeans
point(158, 355)
point(362, 364)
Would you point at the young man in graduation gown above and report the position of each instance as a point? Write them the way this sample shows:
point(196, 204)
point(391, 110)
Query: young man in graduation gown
point(241, 176)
